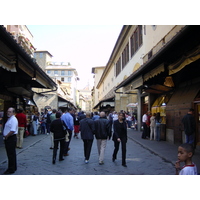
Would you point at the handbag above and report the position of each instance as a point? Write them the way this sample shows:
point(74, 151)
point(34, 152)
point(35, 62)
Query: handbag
point(65, 131)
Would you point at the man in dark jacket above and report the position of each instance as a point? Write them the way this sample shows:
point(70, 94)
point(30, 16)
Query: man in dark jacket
point(87, 130)
point(102, 133)
point(57, 128)
point(189, 126)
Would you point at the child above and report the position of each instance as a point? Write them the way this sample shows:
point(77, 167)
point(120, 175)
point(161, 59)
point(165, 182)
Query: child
point(185, 153)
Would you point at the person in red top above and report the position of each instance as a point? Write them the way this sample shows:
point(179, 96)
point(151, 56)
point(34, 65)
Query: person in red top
point(21, 117)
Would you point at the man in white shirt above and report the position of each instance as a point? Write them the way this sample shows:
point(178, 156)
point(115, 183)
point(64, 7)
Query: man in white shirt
point(144, 121)
point(10, 139)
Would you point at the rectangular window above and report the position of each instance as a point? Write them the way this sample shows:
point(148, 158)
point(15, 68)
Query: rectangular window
point(56, 72)
point(69, 79)
point(62, 79)
point(48, 71)
point(125, 56)
point(62, 73)
point(136, 40)
point(69, 73)
point(118, 67)
point(41, 55)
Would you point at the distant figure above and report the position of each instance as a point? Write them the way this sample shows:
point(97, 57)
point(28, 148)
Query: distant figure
point(189, 126)
point(158, 120)
point(144, 124)
point(87, 129)
point(82, 115)
point(153, 127)
point(76, 125)
point(35, 121)
point(96, 116)
point(21, 117)
point(102, 133)
point(52, 117)
point(185, 153)
point(120, 135)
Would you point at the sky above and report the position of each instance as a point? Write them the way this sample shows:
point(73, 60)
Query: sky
point(83, 46)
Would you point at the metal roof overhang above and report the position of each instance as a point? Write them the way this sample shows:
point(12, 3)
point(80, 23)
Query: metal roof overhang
point(16, 55)
point(110, 99)
point(161, 55)
point(64, 102)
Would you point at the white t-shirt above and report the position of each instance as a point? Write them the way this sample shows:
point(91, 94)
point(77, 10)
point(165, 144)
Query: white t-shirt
point(11, 125)
point(115, 117)
point(188, 170)
point(144, 118)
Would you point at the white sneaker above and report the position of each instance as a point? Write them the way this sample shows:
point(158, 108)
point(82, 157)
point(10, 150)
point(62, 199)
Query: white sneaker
point(86, 161)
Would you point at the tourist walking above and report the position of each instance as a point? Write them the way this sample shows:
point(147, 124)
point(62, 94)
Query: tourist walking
point(68, 119)
point(102, 133)
point(22, 122)
point(52, 117)
point(87, 129)
point(10, 140)
point(57, 129)
point(120, 136)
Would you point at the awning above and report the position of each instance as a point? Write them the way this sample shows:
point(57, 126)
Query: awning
point(185, 60)
point(132, 105)
point(105, 102)
point(185, 94)
point(64, 102)
point(157, 89)
point(154, 72)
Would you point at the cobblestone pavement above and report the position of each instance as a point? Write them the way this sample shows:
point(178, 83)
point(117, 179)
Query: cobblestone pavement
point(36, 159)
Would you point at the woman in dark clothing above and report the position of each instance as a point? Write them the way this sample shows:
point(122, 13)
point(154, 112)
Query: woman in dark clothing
point(120, 135)
point(59, 136)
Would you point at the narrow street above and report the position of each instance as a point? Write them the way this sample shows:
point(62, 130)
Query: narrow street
point(36, 159)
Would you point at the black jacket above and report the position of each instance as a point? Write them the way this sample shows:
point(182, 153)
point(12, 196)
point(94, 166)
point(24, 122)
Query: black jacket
point(120, 130)
point(56, 128)
point(87, 129)
point(189, 124)
point(102, 128)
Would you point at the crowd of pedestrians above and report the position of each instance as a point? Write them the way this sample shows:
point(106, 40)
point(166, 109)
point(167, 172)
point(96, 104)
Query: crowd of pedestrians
point(62, 125)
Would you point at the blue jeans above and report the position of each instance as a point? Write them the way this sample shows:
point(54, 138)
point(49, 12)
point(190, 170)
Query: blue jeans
point(158, 132)
point(190, 139)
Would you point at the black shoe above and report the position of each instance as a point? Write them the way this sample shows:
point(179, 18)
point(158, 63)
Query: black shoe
point(8, 172)
point(113, 159)
point(61, 159)
point(54, 161)
point(124, 165)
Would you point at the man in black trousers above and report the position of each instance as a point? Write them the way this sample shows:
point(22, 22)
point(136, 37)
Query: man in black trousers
point(87, 129)
point(10, 140)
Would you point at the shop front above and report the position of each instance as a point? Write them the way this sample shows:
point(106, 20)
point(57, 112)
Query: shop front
point(19, 73)
point(171, 83)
